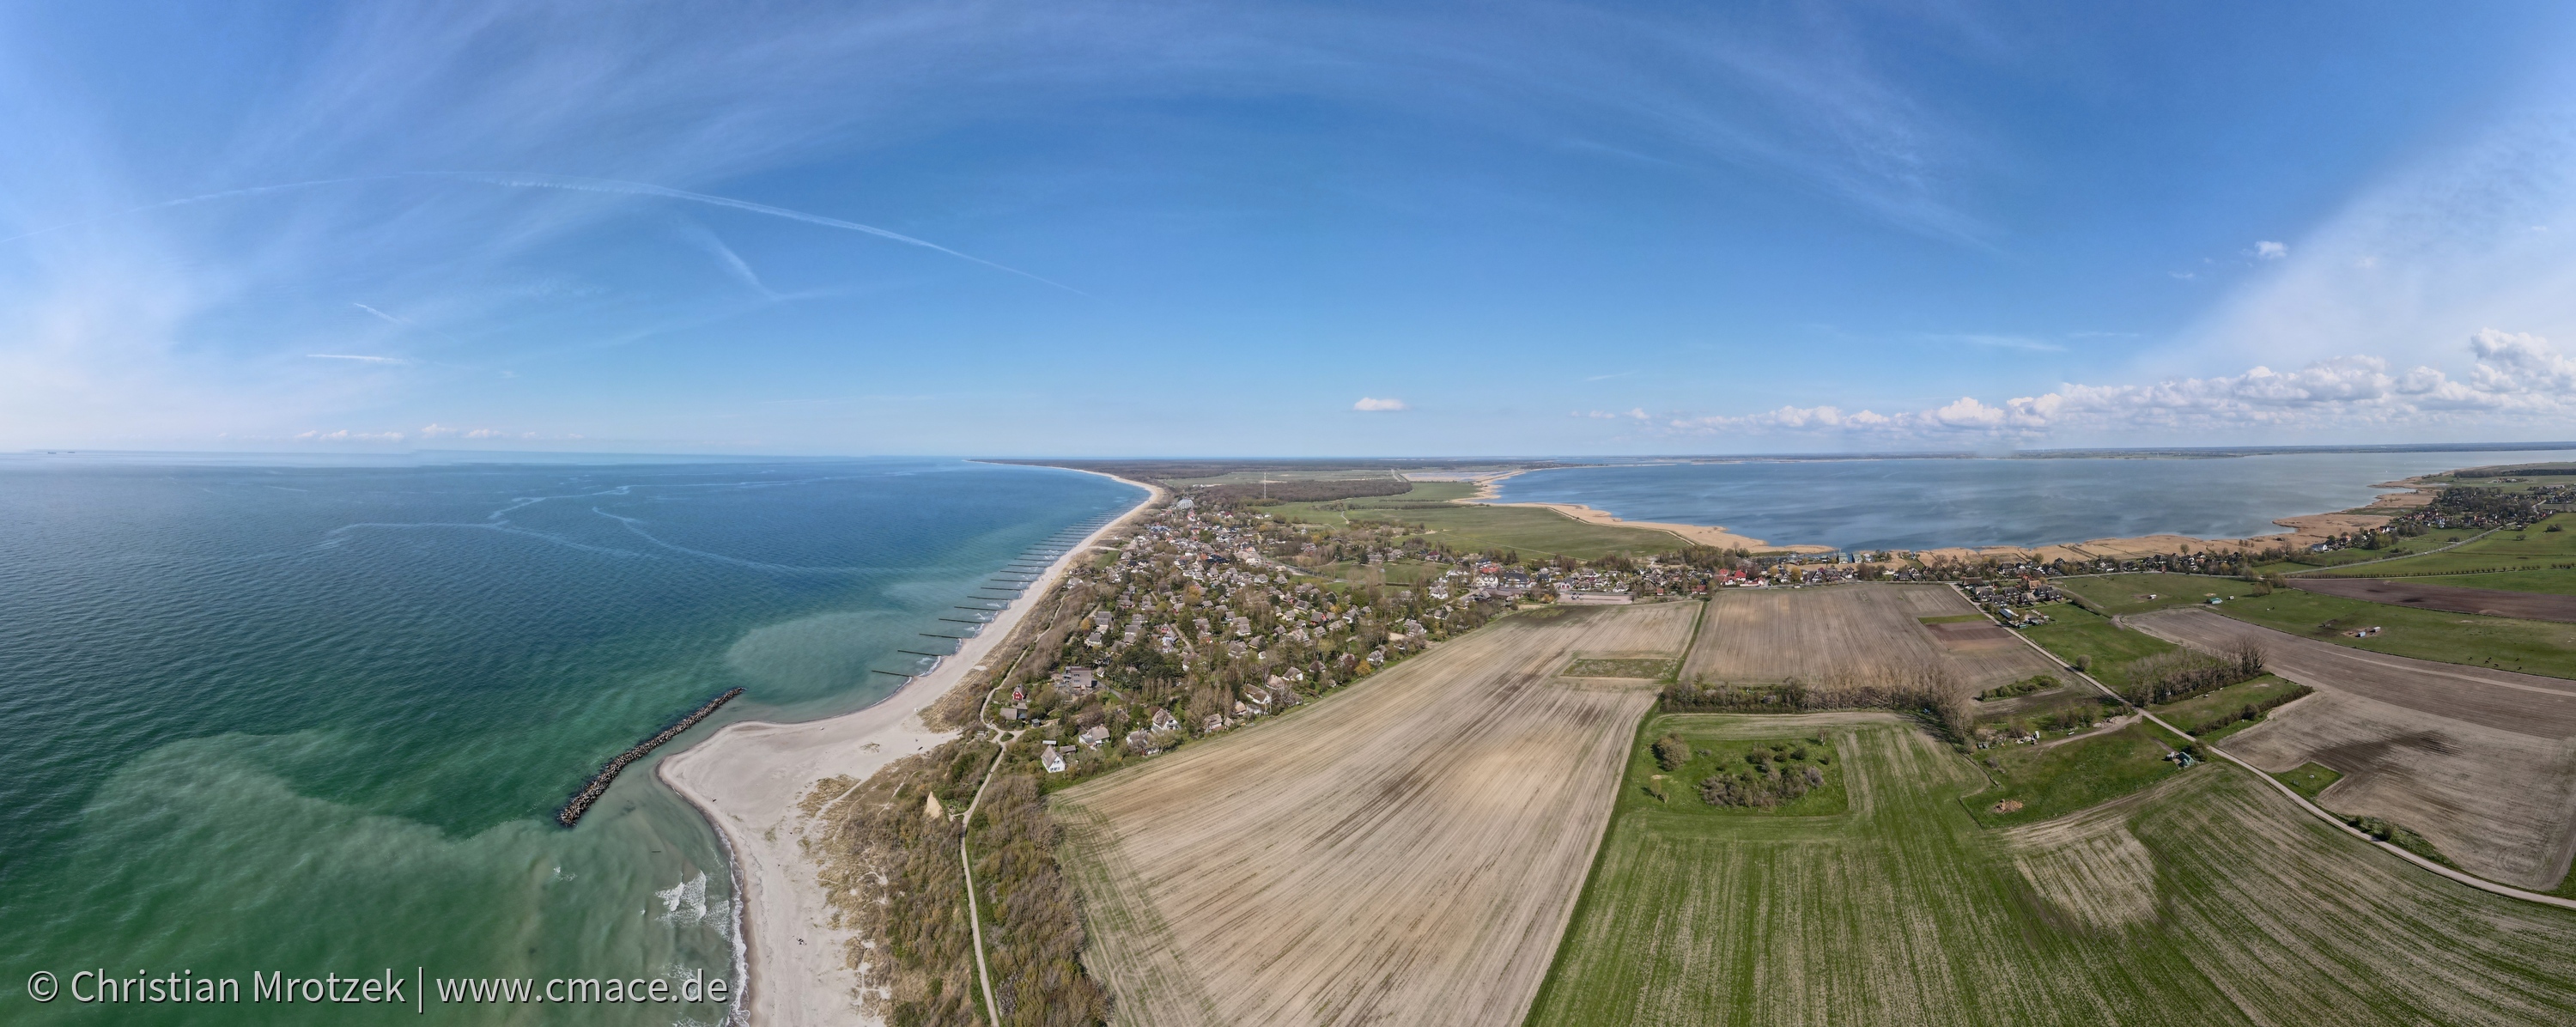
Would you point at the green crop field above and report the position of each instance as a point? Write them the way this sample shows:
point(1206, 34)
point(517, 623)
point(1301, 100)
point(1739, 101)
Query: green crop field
point(2037, 782)
point(2530, 646)
point(2309, 778)
point(2534, 548)
point(1471, 527)
point(2209, 899)
point(2118, 594)
point(2077, 633)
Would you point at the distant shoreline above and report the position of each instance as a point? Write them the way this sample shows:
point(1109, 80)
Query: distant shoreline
point(2303, 529)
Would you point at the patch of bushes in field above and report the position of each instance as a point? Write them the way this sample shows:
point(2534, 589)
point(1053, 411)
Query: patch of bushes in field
point(1793, 776)
point(2065, 716)
point(1930, 693)
point(2025, 686)
point(2220, 712)
point(2398, 836)
point(2183, 673)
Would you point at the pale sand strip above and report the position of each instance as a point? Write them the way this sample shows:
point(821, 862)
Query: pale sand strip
point(1695, 534)
point(747, 779)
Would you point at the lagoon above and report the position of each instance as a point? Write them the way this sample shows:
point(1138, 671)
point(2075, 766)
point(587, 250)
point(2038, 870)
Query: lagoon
point(1931, 503)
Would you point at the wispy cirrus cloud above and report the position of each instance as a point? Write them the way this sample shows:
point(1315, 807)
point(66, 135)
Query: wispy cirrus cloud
point(360, 358)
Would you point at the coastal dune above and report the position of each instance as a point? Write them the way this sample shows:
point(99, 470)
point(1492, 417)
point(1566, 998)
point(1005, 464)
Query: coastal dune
point(748, 778)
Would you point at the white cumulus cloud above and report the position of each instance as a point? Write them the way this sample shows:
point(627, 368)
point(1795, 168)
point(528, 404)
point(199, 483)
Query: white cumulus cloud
point(2271, 250)
point(1374, 405)
point(2516, 376)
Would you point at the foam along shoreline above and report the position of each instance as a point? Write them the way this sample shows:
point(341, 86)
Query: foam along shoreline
point(747, 778)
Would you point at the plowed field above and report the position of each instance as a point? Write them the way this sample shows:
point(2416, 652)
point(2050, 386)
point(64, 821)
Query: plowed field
point(1406, 852)
point(2492, 602)
point(1859, 632)
point(2480, 762)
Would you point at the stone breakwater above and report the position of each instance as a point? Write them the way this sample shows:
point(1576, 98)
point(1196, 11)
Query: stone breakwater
point(580, 802)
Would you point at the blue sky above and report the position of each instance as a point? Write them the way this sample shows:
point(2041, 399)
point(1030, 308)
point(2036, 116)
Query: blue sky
point(1133, 229)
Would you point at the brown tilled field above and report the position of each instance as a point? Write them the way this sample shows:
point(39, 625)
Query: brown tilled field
point(2492, 602)
point(2480, 762)
point(1406, 852)
point(1857, 632)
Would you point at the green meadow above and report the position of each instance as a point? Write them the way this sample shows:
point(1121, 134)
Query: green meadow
point(2209, 898)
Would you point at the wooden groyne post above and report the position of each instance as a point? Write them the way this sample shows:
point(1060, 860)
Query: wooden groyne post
point(580, 802)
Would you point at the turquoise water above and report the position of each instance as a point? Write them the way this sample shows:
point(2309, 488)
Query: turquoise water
point(314, 719)
point(1925, 504)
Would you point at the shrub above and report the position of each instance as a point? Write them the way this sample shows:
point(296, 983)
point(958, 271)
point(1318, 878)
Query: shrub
point(1671, 752)
point(2182, 673)
point(2025, 686)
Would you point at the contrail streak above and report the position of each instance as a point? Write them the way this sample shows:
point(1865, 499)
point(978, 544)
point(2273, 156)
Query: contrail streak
point(540, 181)
point(610, 185)
point(167, 204)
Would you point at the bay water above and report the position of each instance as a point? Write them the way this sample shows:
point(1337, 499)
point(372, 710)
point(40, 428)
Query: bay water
point(1932, 503)
point(315, 719)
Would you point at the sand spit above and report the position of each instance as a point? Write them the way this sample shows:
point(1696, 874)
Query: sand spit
point(2305, 530)
point(747, 779)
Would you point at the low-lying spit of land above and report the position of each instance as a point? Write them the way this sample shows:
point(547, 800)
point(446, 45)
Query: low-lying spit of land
point(1406, 851)
point(1857, 631)
point(2209, 898)
point(2480, 762)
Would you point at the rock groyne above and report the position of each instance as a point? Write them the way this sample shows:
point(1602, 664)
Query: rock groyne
point(580, 802)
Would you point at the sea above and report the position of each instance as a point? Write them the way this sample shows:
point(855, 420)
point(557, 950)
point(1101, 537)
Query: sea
point(1866, 504)
point(314, 717)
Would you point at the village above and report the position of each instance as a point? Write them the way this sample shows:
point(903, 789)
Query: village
point(1215, 612)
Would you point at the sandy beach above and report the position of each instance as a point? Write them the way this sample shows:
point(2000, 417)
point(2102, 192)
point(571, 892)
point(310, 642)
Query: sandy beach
point(1489, 485)
point(747, 779)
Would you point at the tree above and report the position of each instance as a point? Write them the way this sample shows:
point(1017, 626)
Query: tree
point(1671, 752)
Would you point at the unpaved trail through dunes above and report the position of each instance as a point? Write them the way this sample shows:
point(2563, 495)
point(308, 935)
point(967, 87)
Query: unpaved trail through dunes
point(1407, 852)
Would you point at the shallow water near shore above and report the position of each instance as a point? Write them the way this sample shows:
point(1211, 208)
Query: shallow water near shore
point(1927, 504)
point(315, 719)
